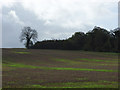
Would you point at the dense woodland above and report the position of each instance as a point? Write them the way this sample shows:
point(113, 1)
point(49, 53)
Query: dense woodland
point(98, 39)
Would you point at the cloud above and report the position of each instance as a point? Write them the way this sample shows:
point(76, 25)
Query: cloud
point(13, 15)
point(7, 3)
point(70, 13)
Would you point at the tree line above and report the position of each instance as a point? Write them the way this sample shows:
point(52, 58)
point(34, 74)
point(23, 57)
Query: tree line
point(98, 39)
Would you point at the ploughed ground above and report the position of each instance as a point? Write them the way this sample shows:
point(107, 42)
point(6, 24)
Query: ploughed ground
point(36, 68)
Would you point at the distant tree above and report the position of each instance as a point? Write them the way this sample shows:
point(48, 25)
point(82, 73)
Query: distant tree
point(98, 40)
point(116, 33)
point(29, 36)
point(77, 40)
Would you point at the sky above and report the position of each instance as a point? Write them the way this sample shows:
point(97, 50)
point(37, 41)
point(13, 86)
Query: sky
point(54, 19)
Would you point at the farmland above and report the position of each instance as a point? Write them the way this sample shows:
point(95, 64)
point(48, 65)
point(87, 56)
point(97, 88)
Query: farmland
point(36, 68)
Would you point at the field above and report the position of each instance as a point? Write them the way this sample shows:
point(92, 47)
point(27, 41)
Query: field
point(24, 68)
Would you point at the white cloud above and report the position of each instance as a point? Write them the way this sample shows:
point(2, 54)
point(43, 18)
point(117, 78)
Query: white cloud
point(12, 14)
point(70, 13)
point(7, 3)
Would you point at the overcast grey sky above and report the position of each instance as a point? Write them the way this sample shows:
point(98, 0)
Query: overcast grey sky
point(55, 19)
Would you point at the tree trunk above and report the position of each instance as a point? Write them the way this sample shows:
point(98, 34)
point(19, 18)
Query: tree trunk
point(27, 44)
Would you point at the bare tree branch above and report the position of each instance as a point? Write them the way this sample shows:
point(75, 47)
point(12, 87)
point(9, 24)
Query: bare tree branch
point(29, 36)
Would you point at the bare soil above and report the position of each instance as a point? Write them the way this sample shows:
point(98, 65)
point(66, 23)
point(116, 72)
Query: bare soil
point(25, 77)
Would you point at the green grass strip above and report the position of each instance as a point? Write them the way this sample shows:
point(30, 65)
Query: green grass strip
point(22, 52)
point(96, 60)
point(66, 61)
point(82, 69)
point(78, 61)
point(101, 84)
point(57, 68)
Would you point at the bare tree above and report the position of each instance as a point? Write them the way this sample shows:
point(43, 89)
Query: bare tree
point(29, 36)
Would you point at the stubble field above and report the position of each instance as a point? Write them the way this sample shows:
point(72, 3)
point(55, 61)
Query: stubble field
point(22, 68)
